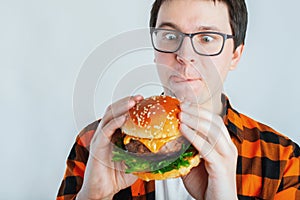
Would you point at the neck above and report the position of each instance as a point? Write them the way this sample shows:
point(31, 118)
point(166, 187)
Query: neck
point(215, 104)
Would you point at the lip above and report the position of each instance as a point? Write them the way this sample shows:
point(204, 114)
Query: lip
point(179, 79)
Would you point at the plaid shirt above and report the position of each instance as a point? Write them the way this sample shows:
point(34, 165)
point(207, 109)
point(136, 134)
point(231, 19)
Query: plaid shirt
point(268, 165)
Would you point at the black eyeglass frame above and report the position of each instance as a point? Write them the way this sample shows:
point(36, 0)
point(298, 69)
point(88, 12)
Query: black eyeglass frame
point(191, 35)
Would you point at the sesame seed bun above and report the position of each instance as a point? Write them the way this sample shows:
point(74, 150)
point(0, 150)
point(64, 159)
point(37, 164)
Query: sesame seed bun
point(153, 118)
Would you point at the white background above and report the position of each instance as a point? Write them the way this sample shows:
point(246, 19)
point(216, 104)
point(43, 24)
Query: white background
point(44, 43)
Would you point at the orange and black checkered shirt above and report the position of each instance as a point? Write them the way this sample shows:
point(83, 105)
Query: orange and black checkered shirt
point(268, 164)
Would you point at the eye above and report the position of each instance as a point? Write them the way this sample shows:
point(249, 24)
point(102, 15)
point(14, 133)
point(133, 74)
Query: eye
point(170, 36)
point(207, 38)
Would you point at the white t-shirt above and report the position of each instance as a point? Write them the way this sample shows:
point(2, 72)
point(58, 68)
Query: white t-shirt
point(171, 189)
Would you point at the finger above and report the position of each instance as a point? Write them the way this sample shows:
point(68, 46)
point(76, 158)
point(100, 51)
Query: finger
point(215, 139)
point(101, 146)
point(119, 108)
point(206, 127)
point(104, 134)
point(192, 108)
point(204, 148)
point(197, 109)
point(137, 97)
point(196, 118)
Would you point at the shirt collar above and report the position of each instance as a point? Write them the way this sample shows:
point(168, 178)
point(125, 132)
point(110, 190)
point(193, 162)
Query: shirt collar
point(232, 119)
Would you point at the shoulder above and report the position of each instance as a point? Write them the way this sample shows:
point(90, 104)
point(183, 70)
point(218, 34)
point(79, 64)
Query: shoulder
point(258, 137)
point(268, 160)
point(253, 129)
point(267, 140)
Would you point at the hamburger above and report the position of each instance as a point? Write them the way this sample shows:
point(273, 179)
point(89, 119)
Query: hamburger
point(150, 143)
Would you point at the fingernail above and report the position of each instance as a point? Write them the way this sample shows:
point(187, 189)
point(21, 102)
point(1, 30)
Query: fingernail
point(138, 97)
point(182, 115)
point(131, 103)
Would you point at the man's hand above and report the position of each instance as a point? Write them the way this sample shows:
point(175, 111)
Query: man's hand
point(103, 178)
point(215, 177)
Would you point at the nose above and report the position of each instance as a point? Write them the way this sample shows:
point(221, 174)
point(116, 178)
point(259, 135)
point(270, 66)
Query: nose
point(186, 52)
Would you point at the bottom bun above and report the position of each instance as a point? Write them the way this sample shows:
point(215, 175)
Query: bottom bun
point(175, 173)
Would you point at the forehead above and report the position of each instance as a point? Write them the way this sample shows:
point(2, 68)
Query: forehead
point(193, 15)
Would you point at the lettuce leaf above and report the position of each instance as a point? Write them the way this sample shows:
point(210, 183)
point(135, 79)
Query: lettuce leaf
point(139, 164)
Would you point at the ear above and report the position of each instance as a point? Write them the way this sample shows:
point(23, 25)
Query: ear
point(236, 56)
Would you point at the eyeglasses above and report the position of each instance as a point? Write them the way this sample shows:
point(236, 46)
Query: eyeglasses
point(204, 43)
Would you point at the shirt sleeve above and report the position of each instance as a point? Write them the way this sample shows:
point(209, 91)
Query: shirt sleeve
point(76, 164)
point(290, 182)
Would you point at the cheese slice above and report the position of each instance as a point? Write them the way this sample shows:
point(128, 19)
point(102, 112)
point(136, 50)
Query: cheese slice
point(154, 145)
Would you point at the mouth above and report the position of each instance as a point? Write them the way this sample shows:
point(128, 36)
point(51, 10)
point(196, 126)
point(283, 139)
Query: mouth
point(179, 79)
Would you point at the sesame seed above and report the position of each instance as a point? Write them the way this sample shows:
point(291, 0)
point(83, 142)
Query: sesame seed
point(156, 127)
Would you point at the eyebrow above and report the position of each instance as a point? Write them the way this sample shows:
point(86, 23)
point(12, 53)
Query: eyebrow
point(200, 28)
point(169, 24)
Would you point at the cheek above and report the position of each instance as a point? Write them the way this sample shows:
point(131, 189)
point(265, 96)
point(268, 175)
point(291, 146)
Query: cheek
point(163, 62)
point(164, 58)
point(221, 65)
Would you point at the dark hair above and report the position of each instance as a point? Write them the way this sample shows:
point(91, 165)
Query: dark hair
point(237, 12)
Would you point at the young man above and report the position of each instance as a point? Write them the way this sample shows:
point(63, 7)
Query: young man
point(196, 42)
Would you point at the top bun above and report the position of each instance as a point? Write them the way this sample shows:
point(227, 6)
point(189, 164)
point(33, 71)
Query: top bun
point(153, 118)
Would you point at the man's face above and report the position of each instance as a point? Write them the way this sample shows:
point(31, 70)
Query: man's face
point(186, 74)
